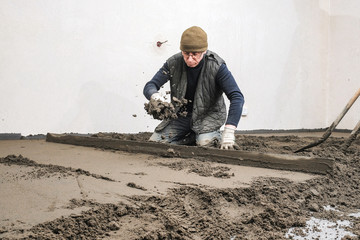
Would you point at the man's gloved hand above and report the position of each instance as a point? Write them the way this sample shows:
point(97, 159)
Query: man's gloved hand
point(157, 97)
point(228, 138)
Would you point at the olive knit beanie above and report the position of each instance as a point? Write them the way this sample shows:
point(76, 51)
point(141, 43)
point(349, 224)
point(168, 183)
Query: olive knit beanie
point(194, 39)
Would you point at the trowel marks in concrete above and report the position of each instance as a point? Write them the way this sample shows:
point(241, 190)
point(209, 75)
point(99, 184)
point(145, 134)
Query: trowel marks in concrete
point(20, 160)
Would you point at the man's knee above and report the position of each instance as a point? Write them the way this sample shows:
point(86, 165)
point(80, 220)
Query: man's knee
point(170, 137)
point(211, 139)
point(155, 137)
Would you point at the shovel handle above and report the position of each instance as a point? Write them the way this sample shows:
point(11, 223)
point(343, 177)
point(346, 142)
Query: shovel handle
point(351, 137)
point(334, 124)
point(347, 107)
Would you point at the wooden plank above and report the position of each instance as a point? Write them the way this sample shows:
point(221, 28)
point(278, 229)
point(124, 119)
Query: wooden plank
point(244, 158)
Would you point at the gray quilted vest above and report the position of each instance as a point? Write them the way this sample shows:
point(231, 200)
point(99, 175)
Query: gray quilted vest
point(209, 110)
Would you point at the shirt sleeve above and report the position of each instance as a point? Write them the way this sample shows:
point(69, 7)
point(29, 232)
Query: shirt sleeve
point(159, 79)
point(226, 81)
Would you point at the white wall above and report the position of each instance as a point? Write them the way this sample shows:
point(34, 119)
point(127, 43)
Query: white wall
point(80, 66)
point(344, 61)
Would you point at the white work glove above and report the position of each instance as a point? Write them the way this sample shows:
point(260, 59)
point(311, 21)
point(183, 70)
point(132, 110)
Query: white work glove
point(157, 97)
point(228, 138)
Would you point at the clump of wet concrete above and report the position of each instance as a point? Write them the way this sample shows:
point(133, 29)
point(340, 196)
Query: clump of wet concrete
point(92, 224)
point(45, 170)
point(164, 110)
point(202, 168)
point(143, 136)
point(133, 185)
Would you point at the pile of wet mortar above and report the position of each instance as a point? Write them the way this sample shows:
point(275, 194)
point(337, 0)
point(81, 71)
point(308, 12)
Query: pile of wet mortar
point(264, 210)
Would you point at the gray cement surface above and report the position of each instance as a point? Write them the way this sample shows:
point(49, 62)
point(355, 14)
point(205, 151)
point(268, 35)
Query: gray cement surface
point(31, 195)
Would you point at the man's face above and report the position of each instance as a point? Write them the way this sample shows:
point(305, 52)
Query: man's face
point(192, 59)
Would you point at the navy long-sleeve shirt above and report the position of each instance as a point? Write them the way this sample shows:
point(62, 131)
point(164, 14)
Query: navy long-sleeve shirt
point(224, 79)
